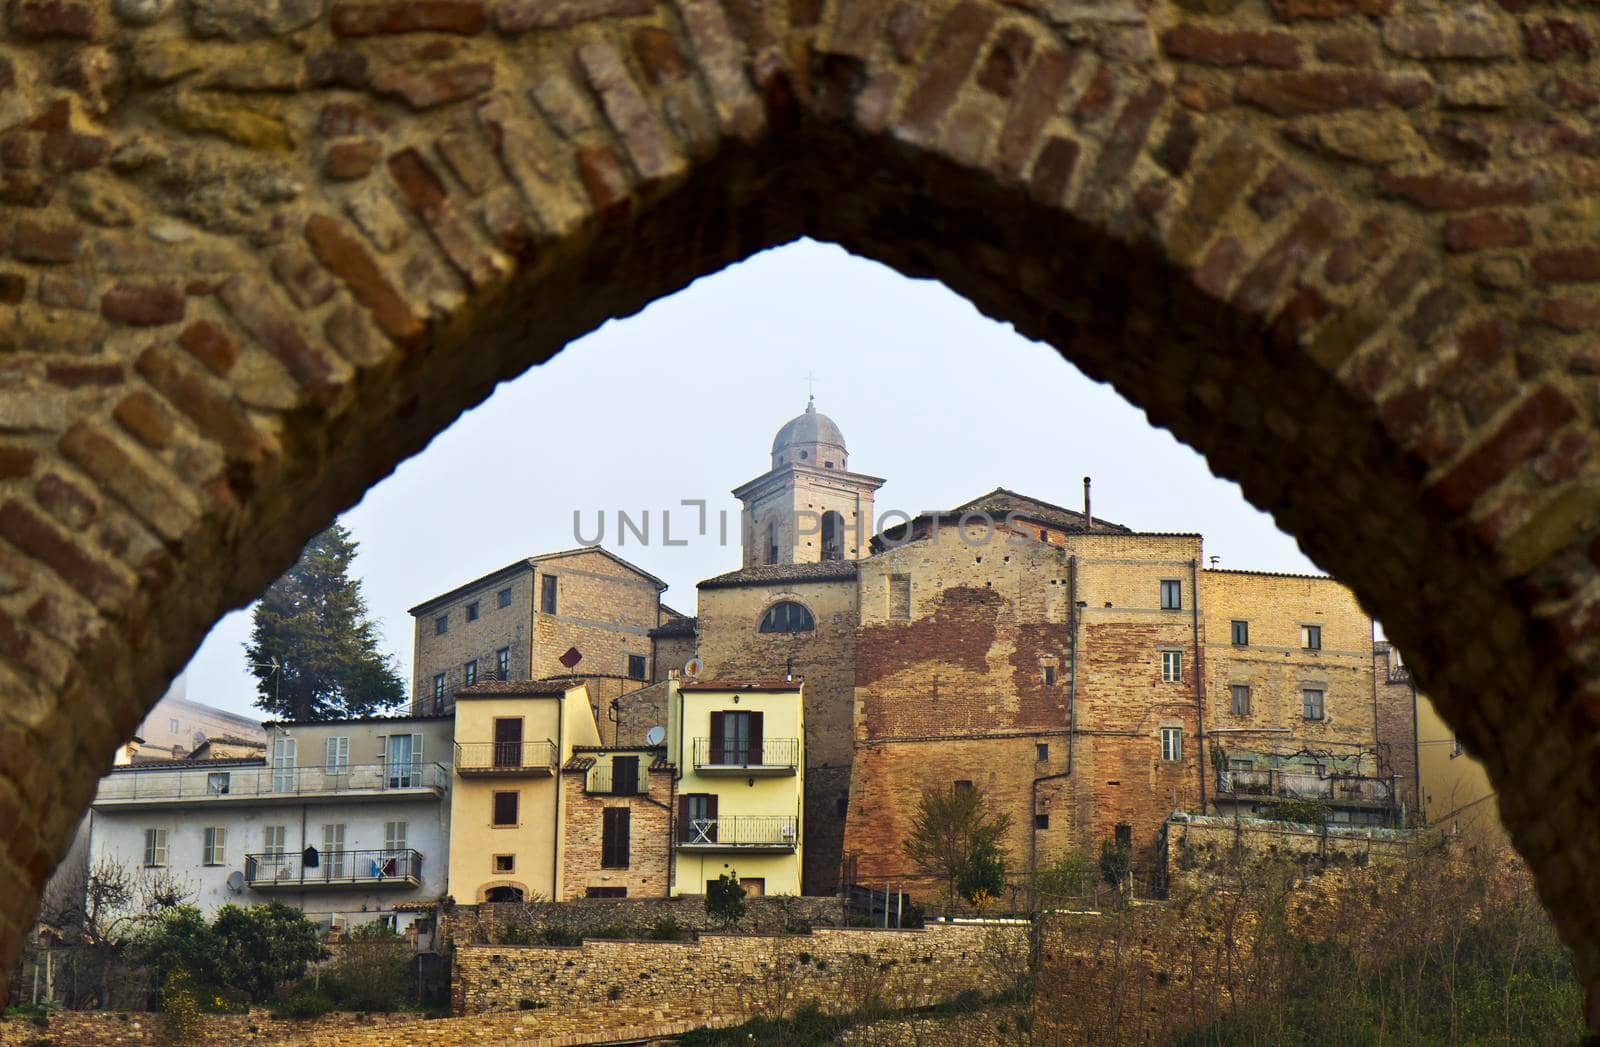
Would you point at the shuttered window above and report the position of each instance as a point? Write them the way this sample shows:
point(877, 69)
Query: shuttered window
point(505, 808)
point(614, 835)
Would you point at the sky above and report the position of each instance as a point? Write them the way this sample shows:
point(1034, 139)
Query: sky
point(681, 402)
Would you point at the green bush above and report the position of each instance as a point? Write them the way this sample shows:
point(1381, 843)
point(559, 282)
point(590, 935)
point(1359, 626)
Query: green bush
point(182, 1022)
point(725, 900)
point(370, 972)
point(515, 935)
point(667, 929)
point(37, 1013)
point(303, 1001)
point(561, 936)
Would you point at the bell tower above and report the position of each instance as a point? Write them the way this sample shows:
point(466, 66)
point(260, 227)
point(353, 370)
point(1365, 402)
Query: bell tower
point(809, 507)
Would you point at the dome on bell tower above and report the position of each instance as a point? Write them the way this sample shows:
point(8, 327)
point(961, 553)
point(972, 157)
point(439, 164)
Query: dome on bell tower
point(810, 439)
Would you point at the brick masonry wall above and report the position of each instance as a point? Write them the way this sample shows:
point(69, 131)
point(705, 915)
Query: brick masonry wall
point(495, 627)
point(603, 609)
point(739, 972)
point(256, 257)
point(732, 648)
point(649, 836)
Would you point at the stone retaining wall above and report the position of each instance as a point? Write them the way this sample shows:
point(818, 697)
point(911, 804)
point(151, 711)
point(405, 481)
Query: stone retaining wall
point(836, 969)
point(487, 924)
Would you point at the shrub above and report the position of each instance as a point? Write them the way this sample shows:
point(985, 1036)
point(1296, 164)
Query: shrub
point(370, 972)
point(725, 900)
point(515, 935)
point(561, 936)
point(303, 1001)
point(667, 929)
point(181, 1019)
point(37, 1013)
point(614, 993)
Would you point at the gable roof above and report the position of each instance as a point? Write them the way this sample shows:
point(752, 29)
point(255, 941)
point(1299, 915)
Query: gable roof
point(1001, 501)
point(528, 563)
point(768, 574)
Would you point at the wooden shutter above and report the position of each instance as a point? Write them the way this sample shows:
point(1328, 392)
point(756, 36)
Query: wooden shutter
point(683, 818)
point(711, 815)
point(614, 834)
point(755, 740)
point(717, 722)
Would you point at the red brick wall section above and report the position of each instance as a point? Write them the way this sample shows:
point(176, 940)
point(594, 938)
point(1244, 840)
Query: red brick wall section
point(255, 256)
point(649, 837)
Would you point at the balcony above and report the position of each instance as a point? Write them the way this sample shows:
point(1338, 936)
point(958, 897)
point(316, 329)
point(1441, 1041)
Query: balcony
point(506, 759)
point(1338, 789)
point(603, 782)
point(751, 833)
point(768, 758)
point(334, 870)
point(237, 785)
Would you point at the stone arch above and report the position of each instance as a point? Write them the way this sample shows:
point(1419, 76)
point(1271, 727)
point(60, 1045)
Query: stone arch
point(497, 887)
point(786, 601)
point(259, 253)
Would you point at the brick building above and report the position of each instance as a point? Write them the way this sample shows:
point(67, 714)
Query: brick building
point(584, 613)
point(617, 827)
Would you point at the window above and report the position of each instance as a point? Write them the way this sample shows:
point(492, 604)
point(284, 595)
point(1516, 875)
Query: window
point(636, 666)
point(503, 598)
point(1172, 666)
point(438, 687)
point(1171, 595)
point(772, 543)
point(472, 611)
point(273, 840)
point(1042, 752)
point(1125, 837)
point(333, 853)
point(505, 809)
point(172, 726)
point(505, 863)
point(155, 848)
point(284, 778)
point(1455, 746)
point(625, 775)
point(472, 672)
point(213, 852)
point(1172, 743)
point(394, 836)
point(547, 594)
point(900, 597)
point(1311, 637)
point(1237, 764)
point(508, 741)
point(336, 752)
point(441, 625)
point(736, 739)
point(614, 830)
point(1041, 821)
point(502, 663)
point(697, 818)
point(787, 617)
point(963, 785)
point(1241, 699)
point(605, 892)
point(1049, 676)
point(218, 783)
point(1311, 703)
point(832, 536)
point(1241, 634)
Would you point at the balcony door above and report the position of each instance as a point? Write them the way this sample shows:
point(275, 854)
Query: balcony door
point(283, 765)
point(404, 760)
point(736, 738)
point(697, 815)
point(508, 742)
point(625, 775)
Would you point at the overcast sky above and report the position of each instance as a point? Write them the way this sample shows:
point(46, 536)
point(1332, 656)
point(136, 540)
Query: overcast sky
point(682, 401)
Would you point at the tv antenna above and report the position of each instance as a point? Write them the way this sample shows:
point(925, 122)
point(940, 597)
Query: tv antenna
point(276, 675)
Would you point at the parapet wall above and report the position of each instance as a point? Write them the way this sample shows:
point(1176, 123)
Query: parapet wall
point(487, 924)
point(837, 969)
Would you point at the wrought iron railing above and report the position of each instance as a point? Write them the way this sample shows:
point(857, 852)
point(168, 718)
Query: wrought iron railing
point(202, 783)
point(769, 752)
point(604, 781)
point(505, 757)
point(1306, 785)
point(739, 831)
point(396, 868)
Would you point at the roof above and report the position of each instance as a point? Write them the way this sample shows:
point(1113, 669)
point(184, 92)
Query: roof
point(527, 564)
point(672, 612)
point(676, 627)
point(1001, 501)
point(231, 739)
point(1278, 574)
point(809, 427)
point(210, 710)
point(353, 719)
point(518, 688)
point(172, 765)
point(765, 574)
point(741, 685)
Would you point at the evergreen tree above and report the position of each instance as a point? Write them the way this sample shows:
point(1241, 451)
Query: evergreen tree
point(312, 648)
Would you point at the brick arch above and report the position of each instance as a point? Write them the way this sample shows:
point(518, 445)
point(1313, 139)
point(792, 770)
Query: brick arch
point(256, 254)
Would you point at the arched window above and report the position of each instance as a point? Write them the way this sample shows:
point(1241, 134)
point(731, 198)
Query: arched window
point(503, 894)
point(832, 536)
point(787, 617)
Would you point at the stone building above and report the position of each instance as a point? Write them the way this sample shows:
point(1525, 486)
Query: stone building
point(617, 832)
point(582, 612)
point(177, 726)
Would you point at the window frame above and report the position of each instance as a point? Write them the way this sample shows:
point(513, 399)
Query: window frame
point(156, 855)
point(510, 865)
point(503, 597)
point(549, 593)
point(502, 663)
point(336, 754)
point(1174, 660)
point(496, 798)
point(439, 681)
point(1310, 637)
point(1321, 704)
point(441, 625)
point(770, 623)
point(470, 672)
point(1241, 632)
point(1049, 676)
point(214, 846)
point(643, 663)
point(616, 832)
point(474, 610)
point(1041, 821)
point(1235, 690)
point(1172, 745)
point(1041, 752)
point(1172, 594)
point(275, 841)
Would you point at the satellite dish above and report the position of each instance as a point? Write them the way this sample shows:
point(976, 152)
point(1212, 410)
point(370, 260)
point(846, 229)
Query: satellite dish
point(236, 881)
point(692, 667)
point(655, 735)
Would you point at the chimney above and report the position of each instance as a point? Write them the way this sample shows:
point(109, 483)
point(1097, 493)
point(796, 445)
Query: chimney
point(1088, 514)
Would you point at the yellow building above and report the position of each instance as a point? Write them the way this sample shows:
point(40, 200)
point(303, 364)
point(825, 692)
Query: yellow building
point(1456, 793)
point(740, 753)
point(507, 808)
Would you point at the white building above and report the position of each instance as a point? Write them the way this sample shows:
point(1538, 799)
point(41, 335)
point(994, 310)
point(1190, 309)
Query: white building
point(342, 820)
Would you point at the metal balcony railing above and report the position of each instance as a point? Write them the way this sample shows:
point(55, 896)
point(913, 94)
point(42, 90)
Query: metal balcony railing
point(769, 753)
point(1307, 785)
point(397, 868)
point(506, 758)
point(201, 783)
point(603, 781)
point(769, 832)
